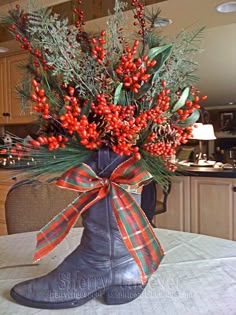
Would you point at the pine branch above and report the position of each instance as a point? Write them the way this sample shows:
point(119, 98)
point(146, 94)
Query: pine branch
point(156, 166)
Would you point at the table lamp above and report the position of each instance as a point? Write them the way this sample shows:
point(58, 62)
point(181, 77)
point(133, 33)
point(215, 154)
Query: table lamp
point(202, 132)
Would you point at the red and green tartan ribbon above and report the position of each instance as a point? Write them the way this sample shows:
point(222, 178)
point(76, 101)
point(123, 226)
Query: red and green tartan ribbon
point(135, 229)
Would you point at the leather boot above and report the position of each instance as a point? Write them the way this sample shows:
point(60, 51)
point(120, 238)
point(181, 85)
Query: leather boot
point(100, 265)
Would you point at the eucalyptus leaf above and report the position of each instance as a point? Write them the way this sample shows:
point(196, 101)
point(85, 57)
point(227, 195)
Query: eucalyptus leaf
point(160, 58)
point(124, 98)
point(118, 92)
point(190, 120)
point(62, 111)
point(86, 109)
point(153, 52)
point(181, 101)
point(144, 88)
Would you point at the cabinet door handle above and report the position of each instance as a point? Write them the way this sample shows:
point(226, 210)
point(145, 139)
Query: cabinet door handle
point(234, 189)
point(6, 114)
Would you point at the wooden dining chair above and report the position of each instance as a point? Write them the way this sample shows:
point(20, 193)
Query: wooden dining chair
point(154, 200)
point(30, 204)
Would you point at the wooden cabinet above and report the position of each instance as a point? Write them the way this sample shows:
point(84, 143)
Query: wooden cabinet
point(213, 207)
point(12, 109)
point(177, 216)
point(203, 205)
point(3, 79)
point(6, 182)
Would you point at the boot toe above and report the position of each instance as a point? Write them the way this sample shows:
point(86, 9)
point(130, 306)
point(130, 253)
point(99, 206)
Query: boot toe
point(21, 293)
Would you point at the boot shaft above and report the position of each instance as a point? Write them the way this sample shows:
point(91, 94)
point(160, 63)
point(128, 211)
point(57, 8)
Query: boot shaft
point(101, 234)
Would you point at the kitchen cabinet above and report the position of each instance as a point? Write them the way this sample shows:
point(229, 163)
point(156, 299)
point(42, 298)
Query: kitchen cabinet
point(6, 182)
point(213, 207)
point(203, 205)
point(12, 111)
point(177, 216)
point(3, 109)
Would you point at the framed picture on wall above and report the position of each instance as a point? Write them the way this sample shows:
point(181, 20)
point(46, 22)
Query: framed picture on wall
point(226, 120)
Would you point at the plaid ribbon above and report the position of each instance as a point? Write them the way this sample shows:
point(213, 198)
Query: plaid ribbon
point(135, 229)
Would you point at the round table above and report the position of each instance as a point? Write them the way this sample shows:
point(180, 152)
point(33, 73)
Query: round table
point(197, 276)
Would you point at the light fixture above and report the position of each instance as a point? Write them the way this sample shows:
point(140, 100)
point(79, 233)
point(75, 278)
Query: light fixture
point(227, 7)
point(160, 22)
point(202, 132)
point(3, 50)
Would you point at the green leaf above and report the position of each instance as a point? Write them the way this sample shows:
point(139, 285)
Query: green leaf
point(181, 101)
point(190, 120)
point(153, 52)
point(62, 111)
point(86, 109)
point(118, 92)
point(160, 54)
point(144, 88)
point(125, 97)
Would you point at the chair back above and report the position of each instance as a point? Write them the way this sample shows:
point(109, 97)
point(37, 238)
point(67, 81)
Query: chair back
point(154, 200)
point(30, 204)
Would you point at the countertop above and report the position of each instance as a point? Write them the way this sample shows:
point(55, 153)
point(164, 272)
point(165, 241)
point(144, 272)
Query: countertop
point(205, 171)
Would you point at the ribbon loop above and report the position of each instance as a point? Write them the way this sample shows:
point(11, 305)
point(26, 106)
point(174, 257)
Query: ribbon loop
point(135, 229)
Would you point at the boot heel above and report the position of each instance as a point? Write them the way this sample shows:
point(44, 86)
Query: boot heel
point(120, 294)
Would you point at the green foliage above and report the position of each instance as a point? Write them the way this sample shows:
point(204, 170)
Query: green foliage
point(118, 92)
point(161, 55)
point(190, 120)
point(181, 101)
point(180, 66)
point(156, 166)
point(73, 65)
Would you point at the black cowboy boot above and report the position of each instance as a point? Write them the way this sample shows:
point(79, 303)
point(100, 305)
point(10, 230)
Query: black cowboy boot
point(100, 265)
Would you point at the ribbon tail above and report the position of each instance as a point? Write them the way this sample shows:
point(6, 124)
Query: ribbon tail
point(137, 232)
point(57, 229)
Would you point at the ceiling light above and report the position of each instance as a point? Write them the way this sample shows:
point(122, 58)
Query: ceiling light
point(160, 22)
point(3, 50)
point(227, 7)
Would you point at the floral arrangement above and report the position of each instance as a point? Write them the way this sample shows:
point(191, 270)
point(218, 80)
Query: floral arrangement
point(134, 96)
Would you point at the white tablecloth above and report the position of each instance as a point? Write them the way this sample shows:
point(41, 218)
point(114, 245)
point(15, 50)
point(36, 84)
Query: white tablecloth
point(197, 276)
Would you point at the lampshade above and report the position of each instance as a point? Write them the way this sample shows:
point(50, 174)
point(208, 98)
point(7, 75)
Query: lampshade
point(203, 132)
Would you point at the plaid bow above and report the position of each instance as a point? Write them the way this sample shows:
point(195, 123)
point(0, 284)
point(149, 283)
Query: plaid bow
point(133, 225)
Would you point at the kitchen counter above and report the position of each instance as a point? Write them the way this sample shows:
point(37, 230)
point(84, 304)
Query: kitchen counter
point(205, 171)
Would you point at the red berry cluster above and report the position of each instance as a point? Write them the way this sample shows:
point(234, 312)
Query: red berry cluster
point(72, 107)
point(164, 144)
point(163, 99)
point(79, 23)
point(132, 71)
point(119, 128)
point(190, 104)
point(18, 28)
point(88, 133)
point(139, 15)
point(183, 135)
point(98, 50)
point(53, 142)
point(40, 98)
point(168, 165)
point(159, 148)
